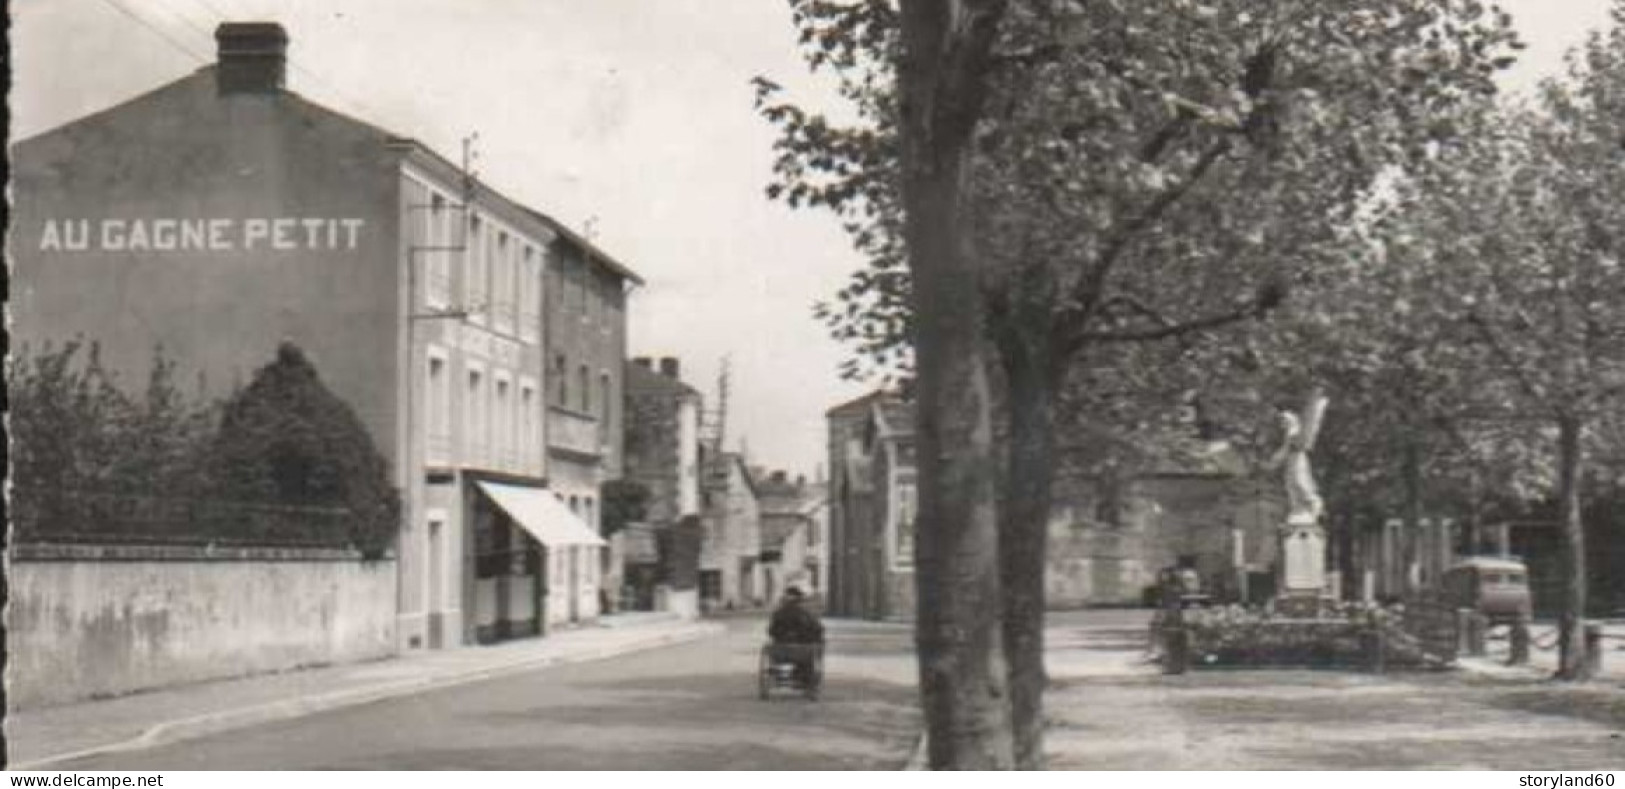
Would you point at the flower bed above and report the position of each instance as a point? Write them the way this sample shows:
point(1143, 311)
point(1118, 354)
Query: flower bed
point(1347, 636)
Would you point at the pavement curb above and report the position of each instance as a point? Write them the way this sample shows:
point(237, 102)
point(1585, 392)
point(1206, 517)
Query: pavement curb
point(169, 732)
point(1493, 668)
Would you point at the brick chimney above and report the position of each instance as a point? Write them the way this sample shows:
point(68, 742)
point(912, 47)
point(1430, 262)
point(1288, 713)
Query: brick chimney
point(253, 57)
point(668, 367)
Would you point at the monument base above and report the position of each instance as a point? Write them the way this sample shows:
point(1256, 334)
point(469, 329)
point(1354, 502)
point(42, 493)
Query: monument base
point(1303, 606)
point(1303, 588)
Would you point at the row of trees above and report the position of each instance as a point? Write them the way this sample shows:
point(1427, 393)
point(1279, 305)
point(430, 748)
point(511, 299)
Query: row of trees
point(87, 455)
point(1080, 215)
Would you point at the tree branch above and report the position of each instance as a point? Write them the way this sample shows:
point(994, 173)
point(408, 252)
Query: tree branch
point(1267, 299)
point(1500, 349)
point(1089, 287)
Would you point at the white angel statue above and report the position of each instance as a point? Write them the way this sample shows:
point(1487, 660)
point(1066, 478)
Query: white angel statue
point(1304, 505)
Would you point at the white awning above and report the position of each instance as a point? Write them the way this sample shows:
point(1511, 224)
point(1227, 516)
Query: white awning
point(539, 512)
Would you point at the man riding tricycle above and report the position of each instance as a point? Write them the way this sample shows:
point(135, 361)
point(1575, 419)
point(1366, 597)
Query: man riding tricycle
point(794, 654)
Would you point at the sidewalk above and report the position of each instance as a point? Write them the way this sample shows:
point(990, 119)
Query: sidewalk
point(1080, 652)
point(36, 739)
point(1543, 654)
point(1111, 710)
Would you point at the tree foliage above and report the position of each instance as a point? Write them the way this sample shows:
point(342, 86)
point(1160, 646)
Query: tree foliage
point(283, 463)
point(286, 438)
point(625, 502)
point(1520, 218)
point(75, 432)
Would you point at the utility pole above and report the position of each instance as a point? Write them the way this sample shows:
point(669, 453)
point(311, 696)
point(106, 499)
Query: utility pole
point(716, 420)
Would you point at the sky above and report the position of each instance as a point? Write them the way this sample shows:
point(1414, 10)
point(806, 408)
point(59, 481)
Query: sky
point(629, 120)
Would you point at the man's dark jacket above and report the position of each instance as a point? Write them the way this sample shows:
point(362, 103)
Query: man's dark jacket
point(793, 624)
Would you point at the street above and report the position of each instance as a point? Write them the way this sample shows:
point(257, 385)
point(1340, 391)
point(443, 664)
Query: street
point(694, 706)
point(691, 706)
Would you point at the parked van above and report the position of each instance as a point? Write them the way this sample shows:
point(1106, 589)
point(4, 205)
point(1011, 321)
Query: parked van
point(1497, 587)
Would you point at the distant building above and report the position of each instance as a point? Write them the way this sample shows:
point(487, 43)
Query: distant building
point(872, 501)
point(585, 312)
point(730, 557)
point(662, 453)
point(792, 514)
point(1108, 537)
point(222, 214)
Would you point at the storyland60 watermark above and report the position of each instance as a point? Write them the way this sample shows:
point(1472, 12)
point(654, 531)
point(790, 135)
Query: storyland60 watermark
point(1560, 781)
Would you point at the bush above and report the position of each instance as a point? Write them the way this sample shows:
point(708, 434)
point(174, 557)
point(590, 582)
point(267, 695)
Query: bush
point(287, 439)
point(75, 434)
point(289, 465)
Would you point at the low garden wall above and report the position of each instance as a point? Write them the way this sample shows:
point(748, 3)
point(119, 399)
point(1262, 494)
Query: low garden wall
point(94, 621)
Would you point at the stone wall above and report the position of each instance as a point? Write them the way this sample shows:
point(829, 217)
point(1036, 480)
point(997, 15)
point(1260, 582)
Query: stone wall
point(90, 622)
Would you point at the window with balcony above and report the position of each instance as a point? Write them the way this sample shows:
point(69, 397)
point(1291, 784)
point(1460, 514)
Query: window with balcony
point(605, 404)
point(502, 283)
point(529, 441)
point(561, 378)
point(530, 295)
point(502, 436)
point(436, 259)
point(437, 409)
point(474, 416)
point(477, 274)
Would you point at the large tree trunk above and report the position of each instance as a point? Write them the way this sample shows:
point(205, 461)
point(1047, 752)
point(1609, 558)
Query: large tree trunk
point(1023, 543)
point(963, 677)
point(1570, 650)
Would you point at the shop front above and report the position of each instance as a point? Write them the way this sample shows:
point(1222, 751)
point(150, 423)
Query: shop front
point(537, 564)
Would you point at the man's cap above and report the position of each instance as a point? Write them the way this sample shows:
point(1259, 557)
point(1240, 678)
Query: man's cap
point(794, 591)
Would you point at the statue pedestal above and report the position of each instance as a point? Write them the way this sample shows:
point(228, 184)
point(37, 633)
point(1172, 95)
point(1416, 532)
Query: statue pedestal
point(1303, 568)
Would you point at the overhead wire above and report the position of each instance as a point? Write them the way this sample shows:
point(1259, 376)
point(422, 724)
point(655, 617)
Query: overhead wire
point(359, 107)
point(355, 104)
point(160, 32)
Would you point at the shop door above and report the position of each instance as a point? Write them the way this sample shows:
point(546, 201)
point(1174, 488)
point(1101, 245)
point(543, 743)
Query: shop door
point(436, 601)
point(574, 591)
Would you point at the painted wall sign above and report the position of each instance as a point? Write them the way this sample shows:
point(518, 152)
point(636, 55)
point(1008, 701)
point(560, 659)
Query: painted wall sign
point(279, 234)
point(484, 344)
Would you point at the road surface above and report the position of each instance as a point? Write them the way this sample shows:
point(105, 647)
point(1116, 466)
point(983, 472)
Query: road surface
point(691, 706)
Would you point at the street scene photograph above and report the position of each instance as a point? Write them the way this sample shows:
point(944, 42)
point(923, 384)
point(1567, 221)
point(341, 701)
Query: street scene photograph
point(805, 385)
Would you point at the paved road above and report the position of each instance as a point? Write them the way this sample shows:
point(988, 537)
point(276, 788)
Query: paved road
point(691, 706)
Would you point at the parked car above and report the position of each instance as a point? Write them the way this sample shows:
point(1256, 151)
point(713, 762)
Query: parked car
point(1497, 587)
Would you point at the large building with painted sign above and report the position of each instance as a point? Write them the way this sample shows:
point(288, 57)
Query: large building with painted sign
point(221, 214)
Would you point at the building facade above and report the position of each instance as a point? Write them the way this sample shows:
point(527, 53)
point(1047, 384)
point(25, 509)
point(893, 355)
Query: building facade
point(663, 438)
point(792, 534)
point(585, 315)
point(662, 454)
point(221, 214)
point(872, 501)
point(1108, 536)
